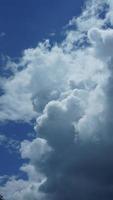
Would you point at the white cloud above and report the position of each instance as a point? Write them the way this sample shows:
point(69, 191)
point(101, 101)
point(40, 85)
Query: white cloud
point(20, 189)
point(34, 150)
point(45, 78)
point(47, 70)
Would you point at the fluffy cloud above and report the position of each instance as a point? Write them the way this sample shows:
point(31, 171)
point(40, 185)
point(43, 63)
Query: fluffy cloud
point(20, 189)
point(68, 89)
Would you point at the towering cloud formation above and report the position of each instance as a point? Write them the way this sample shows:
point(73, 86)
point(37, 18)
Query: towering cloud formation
point(68, 88)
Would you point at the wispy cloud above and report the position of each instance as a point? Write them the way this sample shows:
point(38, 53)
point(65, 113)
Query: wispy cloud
point(2, 34)
point(9, 143)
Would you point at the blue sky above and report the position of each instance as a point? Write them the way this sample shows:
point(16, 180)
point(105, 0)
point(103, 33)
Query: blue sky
point(24, 24)
point(27, 22)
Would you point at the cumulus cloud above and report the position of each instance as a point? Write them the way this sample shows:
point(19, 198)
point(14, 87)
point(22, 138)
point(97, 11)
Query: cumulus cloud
point(68, 88)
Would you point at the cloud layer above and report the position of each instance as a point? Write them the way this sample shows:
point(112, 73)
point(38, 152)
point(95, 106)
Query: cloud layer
point(68, 89)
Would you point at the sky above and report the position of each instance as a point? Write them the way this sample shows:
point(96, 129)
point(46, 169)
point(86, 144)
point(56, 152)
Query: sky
point(24, 24)
point(56, 99)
